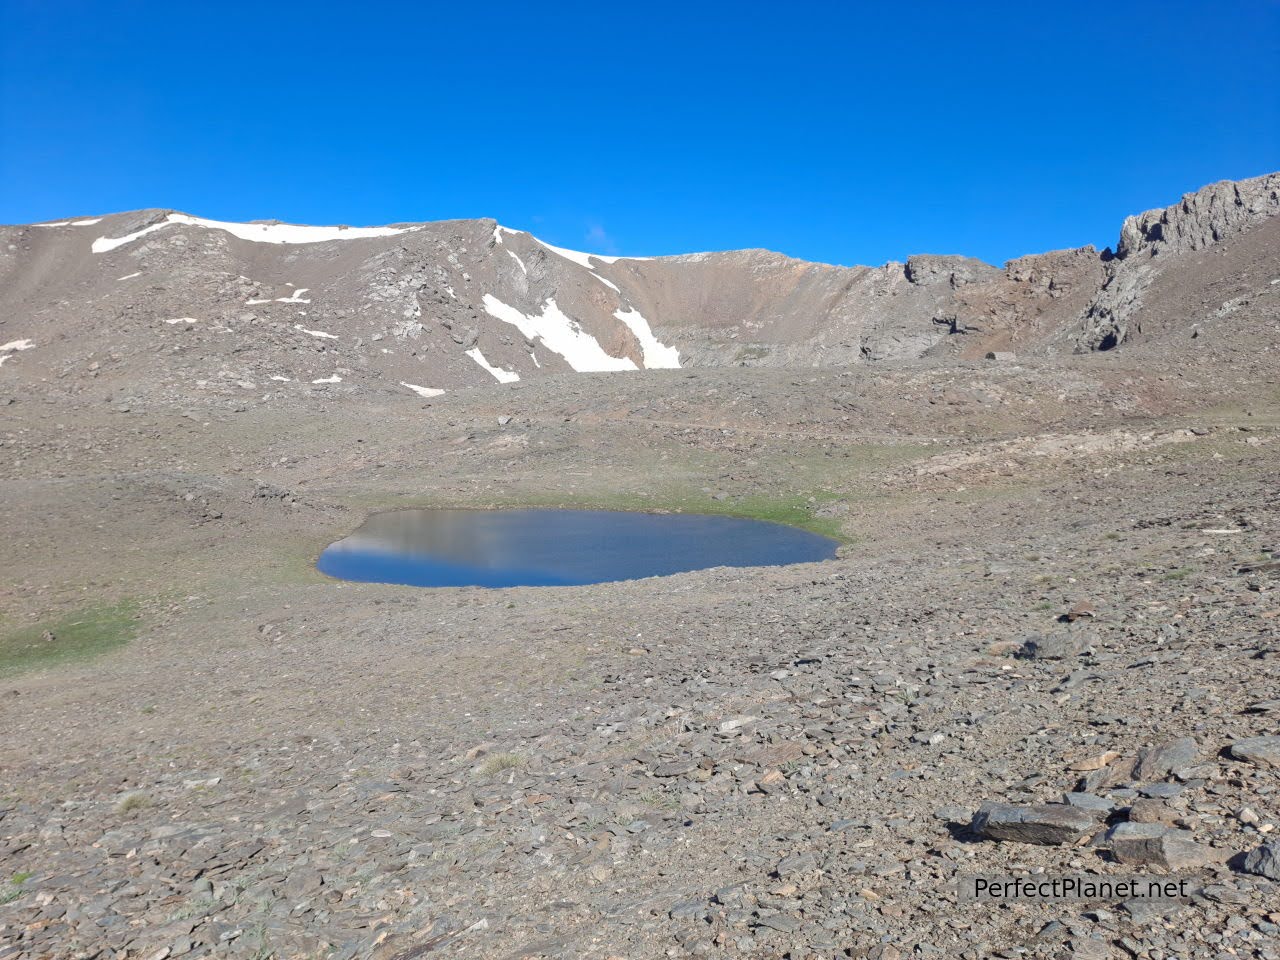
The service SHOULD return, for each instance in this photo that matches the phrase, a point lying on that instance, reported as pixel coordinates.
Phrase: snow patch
(256, 232)
(523, 268)
(657, 356)
(314, 333)
(70, 223)
(578, 257)
(279, 379)
(560, 334)
(334, 379)
(7, 350)
(502, 376)
(608, 283)
(422, 391)
(183, 320)
(129, 276)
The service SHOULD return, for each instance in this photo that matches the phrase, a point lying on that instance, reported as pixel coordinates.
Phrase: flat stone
(1145, 911)
(779, 921)
(1089, 801)
(1161, 791)
(796, 864)
(1042, 823)
(675, 768)
(1155, 845)
(687, 910)
(1264, 751)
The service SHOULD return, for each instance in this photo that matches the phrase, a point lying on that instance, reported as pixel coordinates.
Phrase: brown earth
(757, 762)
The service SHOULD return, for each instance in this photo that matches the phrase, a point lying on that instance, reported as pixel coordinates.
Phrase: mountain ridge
(450, 304)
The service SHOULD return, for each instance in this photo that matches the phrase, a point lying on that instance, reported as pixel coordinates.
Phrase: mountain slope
(162, 303)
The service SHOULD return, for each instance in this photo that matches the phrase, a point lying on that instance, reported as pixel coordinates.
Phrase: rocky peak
(926, 269)
(1202, 218)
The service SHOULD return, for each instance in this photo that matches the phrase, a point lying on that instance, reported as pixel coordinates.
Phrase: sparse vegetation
(85, 633)
(499, 762)
(13, 889)
(134, 800)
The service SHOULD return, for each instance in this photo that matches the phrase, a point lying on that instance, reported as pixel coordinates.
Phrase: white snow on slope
(502, 376)
(657, 355)
(129, 276)
(422, 391)
(7, 350)
(314, 333)
(607, 283)
(334, 379)
(575, 255)
(256, 232)
(295, 297)
(559, 334)
(183, 320)
(523, 268)
(70, 223)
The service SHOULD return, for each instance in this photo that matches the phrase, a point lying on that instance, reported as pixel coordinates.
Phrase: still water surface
(542, 548)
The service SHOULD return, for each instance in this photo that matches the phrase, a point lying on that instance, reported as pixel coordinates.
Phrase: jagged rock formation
(1149, 241)
(432, 307)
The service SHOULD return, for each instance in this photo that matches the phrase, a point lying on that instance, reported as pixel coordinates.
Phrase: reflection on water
(507, 548)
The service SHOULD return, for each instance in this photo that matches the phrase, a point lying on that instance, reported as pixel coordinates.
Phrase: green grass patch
(85, 633)
(12, 890)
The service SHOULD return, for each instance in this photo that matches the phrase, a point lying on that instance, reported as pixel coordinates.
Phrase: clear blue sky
(844, 132)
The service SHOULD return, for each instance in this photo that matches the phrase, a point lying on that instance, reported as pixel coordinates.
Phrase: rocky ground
(1050, 645)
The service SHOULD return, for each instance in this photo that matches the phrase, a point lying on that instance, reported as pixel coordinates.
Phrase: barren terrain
(1060, 585)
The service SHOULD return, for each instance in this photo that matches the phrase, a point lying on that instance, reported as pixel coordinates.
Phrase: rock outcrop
(1149, 241)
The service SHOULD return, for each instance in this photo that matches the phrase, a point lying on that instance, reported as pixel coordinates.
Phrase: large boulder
(1155, 845)
(1043, 823)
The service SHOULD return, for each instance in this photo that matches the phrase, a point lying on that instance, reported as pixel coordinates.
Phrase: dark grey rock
(1156, 845)
(1044, 823)
(1263, 751)
(1264, 861)
(1089, 801)
(1156, 763)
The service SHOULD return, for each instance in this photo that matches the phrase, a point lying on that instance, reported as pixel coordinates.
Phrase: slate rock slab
(1156, 845)
(1263, 751)
(1043, 823)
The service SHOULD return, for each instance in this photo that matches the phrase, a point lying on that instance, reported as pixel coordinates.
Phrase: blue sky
(842, 132)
